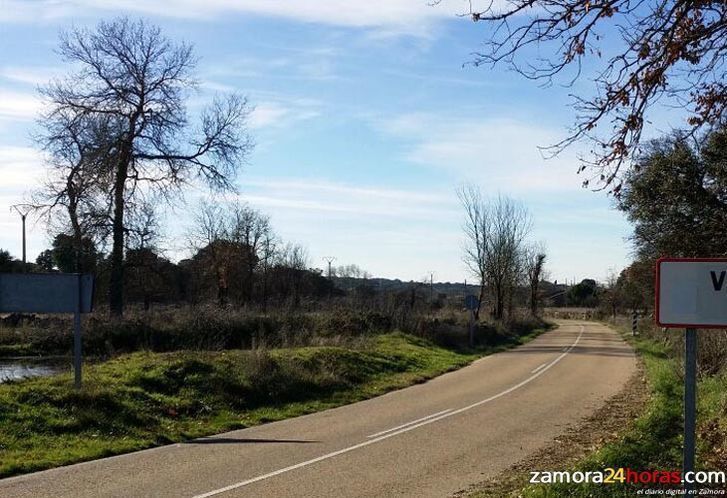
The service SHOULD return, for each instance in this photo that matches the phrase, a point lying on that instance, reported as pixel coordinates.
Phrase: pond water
(20, 368)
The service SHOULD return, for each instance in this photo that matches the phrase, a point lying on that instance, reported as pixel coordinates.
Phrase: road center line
(538, 368)
(407, 428)
(410, 423)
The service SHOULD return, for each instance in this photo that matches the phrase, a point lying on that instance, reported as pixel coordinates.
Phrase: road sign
(470, 302)
(691, 292)
(45, 293)
(50, 293)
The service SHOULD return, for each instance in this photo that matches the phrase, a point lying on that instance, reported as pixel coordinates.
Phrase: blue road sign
(470, 302)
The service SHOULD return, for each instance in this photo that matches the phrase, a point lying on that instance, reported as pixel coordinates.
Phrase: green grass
(654, 441)
(144, 399)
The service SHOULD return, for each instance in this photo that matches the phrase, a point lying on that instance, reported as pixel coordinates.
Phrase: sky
(367, 119)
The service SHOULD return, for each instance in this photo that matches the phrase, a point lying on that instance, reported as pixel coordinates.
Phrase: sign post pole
(634, 322)
(690, 402)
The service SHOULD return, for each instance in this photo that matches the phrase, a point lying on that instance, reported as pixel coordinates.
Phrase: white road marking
(394, 433)
(409, 423)
(541, 366)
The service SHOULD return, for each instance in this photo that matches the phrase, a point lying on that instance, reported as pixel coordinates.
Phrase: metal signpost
(470, 302)
(50, 293)
(691, 294)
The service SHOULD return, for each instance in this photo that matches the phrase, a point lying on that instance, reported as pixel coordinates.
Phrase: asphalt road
(431, 439)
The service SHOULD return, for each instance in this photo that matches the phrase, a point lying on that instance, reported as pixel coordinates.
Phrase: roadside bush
(712, 344)
(211, 328)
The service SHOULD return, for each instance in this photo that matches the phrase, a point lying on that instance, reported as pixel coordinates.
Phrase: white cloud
(19, 106)
(242, 67)
(19, 167)
(307, 64)
(30, 75)
(266, 114)
(414, 17)
(347, 201)
(283, 112)
(498, 153)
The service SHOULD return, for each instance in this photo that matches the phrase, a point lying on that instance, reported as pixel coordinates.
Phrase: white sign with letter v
(691, 292)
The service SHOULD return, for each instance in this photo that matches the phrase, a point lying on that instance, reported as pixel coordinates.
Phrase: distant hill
(393, 285)
(552, 292)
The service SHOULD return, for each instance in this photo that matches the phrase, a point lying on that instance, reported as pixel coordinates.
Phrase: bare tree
(143, 234)
(350, 271)
(294, 259)
(143, 227)
(477, 230)
(207, 235)
(268, 254)
(250, 228)
(234, 240)
(670, 51)
(534, 267)
(71, 199)
(135, 80)
(611, 292)
(511, 224)
(495, 232)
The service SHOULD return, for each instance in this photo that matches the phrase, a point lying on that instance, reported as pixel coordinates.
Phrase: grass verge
(145, 399)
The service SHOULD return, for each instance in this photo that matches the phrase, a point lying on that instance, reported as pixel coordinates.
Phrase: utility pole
(329, 260)
(431, 286)
(22, 210)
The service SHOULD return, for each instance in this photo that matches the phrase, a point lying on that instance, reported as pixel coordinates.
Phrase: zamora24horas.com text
(626, 475)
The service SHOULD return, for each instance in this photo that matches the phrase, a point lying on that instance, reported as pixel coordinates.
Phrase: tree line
(235, 259)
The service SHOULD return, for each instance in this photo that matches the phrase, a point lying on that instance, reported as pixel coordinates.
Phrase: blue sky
(366, 122)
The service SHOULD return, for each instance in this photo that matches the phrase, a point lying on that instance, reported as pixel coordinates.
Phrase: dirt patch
(605, 425)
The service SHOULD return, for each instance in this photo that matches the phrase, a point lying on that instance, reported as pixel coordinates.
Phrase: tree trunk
(480, 298)
(249, 290)
(221, 287)
(499, 304)
(116, 289)
(77, 235)
(265, 291)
